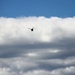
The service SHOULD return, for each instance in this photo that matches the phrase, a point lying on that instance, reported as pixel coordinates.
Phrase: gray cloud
(49, 50)
(66, 47)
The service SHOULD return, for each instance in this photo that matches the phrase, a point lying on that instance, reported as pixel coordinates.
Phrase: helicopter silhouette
(32, 29)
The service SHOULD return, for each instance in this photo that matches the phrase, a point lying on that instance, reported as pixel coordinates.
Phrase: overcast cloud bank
(48, 50)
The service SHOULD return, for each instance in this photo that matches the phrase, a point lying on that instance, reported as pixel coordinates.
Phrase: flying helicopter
(32, 29)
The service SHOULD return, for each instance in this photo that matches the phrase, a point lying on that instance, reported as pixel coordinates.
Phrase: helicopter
(32, 29)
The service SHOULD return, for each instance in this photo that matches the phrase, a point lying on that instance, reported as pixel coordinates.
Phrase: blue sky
(48, 8)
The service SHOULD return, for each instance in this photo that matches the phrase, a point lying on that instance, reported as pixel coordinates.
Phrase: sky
(48, 8)
(49, 49)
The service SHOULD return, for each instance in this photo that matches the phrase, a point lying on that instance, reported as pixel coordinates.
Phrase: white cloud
(48, 50)
(47, 29)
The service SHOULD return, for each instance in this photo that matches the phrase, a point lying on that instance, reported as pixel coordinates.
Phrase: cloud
(48, 29)
(48, 50)
(25, 66)
(62, 71)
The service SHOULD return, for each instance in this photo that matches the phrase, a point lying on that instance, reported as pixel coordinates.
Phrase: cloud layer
(48, 50)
